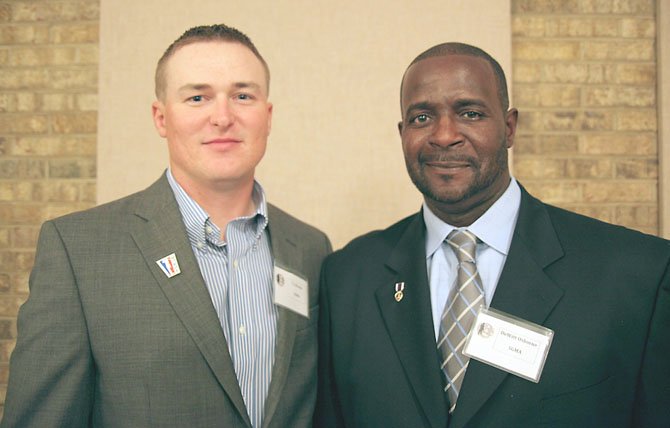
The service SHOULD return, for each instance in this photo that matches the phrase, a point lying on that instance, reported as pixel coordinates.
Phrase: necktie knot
(463, 243)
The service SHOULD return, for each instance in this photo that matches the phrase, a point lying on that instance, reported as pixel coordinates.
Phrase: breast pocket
(592, 404)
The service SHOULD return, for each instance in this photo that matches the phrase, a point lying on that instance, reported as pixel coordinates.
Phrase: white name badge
(291, 291)
(509, 343)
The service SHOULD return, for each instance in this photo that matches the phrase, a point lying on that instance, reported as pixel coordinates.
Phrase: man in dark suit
(160, 309)
(388, 324)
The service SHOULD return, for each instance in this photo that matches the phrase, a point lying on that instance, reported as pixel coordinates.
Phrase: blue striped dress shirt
(238, 275)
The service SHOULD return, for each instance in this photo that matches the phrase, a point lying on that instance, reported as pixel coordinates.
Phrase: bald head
(456, 48)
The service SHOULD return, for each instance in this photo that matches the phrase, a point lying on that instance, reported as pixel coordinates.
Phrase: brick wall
(48, 103)
(584, 80)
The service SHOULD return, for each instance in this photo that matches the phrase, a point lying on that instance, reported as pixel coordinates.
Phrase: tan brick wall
(48, 114)
(584, 80)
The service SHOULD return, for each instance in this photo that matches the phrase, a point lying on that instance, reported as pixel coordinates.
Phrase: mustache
(447, 158)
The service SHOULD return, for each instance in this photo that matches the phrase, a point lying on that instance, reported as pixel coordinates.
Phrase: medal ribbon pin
(399, 288)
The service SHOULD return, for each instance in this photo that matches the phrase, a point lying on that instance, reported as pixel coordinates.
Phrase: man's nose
(447, 131)
(222, 114)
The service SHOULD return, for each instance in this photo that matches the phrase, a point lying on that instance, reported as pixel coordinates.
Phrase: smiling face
(214, 115)
(455, 135)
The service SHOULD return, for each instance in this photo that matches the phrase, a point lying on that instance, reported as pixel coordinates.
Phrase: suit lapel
(524, 290)
(409, 321)
(286, 253)
(160, 234)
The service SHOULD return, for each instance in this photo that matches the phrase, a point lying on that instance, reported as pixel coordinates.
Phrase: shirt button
(208, 229)
(234, 263)
(200, 245)
(242, 330)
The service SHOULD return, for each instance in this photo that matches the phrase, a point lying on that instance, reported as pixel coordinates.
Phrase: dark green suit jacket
(106, 339)
(604, 290)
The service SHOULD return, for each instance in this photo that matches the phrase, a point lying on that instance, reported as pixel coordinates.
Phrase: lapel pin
(169, 265)
(399, 288)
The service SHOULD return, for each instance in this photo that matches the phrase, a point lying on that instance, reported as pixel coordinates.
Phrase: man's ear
(158, 113)
(269, 117)
(511, 118)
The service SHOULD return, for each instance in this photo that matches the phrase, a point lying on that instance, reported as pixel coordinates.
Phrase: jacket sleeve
(328, 413)
(51, 369)
(653, 391)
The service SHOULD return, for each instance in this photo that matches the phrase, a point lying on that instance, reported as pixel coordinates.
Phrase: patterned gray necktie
(459, 312)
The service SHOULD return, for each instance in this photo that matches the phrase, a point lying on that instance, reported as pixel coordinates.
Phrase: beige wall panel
(334, 156)
(663, 79)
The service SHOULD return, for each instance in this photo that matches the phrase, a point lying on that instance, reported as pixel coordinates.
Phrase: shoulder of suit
(280, 218)
(592, 226)
(116, 209)
(382, 238)
(579, 226)
(580, 234)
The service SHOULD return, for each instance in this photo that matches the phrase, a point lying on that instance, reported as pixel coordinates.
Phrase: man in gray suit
(191, 303)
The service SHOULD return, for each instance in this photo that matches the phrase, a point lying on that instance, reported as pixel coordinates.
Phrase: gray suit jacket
(106, 339)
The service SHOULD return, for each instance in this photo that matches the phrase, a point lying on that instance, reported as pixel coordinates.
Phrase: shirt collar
(196, 218)
(495, 227)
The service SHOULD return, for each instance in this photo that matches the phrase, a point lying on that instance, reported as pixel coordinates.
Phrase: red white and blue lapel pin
(169, 265)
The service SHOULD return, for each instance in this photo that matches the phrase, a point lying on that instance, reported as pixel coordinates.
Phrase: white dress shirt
(494, 228)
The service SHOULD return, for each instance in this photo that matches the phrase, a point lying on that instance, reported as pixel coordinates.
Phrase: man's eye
(421, 118)
(196, 98)
(244, 97)
(472, 115)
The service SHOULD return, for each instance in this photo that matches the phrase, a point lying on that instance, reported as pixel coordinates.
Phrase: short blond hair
(205, 33)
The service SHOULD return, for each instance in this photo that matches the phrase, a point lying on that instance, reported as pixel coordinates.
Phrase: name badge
(291, 291)
(509, 343)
